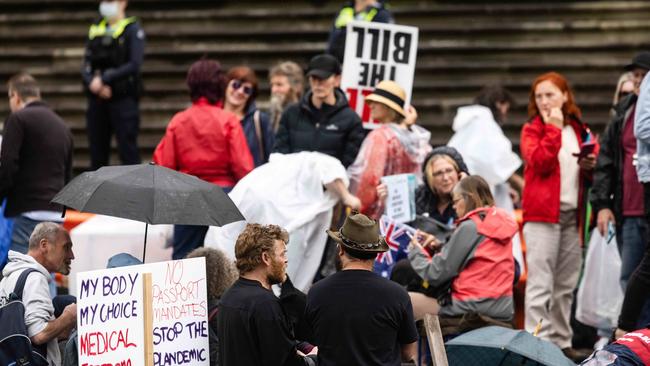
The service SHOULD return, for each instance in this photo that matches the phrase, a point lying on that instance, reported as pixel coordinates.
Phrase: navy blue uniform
(115, 54)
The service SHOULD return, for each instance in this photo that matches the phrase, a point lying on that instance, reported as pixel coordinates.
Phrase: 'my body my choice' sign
(111, 313)
(376, 52)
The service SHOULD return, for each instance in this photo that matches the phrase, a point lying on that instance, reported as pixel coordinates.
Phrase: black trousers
(104, 118)
(638, 287)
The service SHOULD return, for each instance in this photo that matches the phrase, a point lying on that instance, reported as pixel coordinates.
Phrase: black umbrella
(149, 193)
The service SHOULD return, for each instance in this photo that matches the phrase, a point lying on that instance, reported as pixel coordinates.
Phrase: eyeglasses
(237, 84)
(440, 173)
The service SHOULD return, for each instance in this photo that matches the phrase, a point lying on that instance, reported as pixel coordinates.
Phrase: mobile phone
(586, 149)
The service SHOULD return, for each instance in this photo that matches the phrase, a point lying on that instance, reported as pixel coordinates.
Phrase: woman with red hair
(557, 175)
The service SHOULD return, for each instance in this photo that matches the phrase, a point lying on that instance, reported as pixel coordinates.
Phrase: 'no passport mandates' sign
(376, 52)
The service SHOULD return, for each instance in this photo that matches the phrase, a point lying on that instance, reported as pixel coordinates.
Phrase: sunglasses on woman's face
(237, 84)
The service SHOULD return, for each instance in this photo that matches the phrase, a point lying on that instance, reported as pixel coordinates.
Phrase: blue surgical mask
(109, 9)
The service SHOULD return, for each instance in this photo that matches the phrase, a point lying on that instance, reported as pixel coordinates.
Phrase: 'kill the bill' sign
(376, 52)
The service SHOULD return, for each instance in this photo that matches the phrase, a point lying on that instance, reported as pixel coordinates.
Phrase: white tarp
(287, 191)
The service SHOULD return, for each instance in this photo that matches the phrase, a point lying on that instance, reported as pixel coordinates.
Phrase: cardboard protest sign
(376, 52)
(180, 312)
(111, 317)
(400, 203)
(178, 309)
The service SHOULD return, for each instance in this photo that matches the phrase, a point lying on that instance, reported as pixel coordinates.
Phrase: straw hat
(360, 233)
(390, 94)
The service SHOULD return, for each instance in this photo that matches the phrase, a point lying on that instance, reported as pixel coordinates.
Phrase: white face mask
(109, 9)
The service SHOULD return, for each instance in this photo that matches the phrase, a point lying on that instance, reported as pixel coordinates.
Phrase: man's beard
(277, 103)
(278, 273)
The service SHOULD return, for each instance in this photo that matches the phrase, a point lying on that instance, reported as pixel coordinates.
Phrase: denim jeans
(631, 241)
(22, 229)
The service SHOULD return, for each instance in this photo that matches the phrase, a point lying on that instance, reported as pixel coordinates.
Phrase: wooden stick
(147, 300)
(436, 344)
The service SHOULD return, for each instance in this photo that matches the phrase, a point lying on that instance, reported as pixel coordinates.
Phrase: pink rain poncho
(388, 150)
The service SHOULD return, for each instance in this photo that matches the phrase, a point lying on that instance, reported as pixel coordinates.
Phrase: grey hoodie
(36, 298)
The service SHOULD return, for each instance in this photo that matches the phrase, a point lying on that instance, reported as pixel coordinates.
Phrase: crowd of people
(462, 260)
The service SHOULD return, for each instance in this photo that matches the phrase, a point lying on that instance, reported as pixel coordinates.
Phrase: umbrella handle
(144, 251)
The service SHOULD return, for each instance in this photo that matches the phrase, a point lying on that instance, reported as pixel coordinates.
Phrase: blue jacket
(268, 138)
(642, 132)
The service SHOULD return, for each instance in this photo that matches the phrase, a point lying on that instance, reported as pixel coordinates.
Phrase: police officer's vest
(107, 49)
(346, 15)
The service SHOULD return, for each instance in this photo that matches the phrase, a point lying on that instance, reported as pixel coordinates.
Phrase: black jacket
(36, 159)
(607, 188)
(336, 131)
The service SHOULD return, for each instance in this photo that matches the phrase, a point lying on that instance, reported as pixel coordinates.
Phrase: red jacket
(540, 145)
(207, 142)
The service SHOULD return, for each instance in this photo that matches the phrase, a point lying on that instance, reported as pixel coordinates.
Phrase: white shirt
(569, 169)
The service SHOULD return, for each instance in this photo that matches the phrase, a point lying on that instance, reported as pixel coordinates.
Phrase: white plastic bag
(600, 296)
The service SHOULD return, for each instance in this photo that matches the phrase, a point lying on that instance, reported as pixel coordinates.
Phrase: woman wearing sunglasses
(241, 91)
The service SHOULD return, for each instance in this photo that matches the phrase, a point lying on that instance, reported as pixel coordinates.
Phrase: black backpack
(16, 348)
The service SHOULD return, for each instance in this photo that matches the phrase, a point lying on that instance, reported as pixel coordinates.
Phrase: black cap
(323, 66)
(641, 59)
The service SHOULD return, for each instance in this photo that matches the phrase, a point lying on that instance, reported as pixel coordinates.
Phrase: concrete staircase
(463, 46)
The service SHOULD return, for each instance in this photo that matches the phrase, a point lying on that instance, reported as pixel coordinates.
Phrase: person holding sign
(396, 147)
(323, 120)
(367, 10)
(554, 205)
(251, 325)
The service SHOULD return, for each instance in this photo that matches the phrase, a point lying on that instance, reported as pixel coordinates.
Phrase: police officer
(366, 10)
(111, 76)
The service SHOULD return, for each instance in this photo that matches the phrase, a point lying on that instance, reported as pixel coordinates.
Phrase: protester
(287, 83)
(616, 194)
(204, 141)
(241, 91)
(111, 76)
(365, 10)
(50, 250)
(554, 206)
(397, 146)
(476, 263)
(442, 169)
(638, 286)
(251, 325)
(624, 87)
(220, 275)
(478, 137)
(36, 160)
(358, 317)
(322, 121)
(299, 192)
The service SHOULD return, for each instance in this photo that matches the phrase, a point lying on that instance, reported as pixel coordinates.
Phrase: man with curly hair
(251, 326)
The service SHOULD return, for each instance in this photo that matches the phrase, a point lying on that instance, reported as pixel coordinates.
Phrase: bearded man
(251, 326)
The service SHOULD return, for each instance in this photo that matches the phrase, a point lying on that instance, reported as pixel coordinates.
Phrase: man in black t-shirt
(356, 316)
(251, 326)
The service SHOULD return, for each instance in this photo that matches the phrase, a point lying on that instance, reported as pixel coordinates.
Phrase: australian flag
(397, 237)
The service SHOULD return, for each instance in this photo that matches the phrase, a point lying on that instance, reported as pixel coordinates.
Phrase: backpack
(16, 348)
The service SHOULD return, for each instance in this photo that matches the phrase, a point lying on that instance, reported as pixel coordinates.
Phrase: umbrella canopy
(149, 193)
(502, 346)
